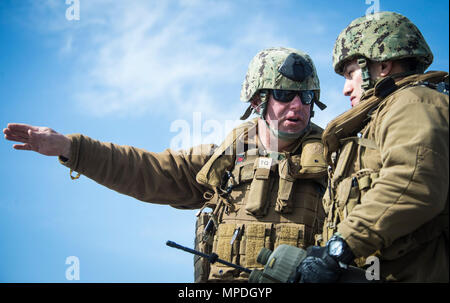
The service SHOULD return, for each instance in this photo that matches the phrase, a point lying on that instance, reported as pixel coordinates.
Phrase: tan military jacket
(290, 214)
(392, 198)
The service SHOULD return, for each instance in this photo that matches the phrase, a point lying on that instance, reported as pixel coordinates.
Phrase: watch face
(335, 248)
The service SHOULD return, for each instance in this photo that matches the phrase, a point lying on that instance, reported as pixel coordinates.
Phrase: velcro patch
(265, 162)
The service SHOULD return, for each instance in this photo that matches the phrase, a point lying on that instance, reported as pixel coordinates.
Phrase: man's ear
(385, 68)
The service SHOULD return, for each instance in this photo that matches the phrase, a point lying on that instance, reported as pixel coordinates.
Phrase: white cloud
(172, 57)
(153, 57)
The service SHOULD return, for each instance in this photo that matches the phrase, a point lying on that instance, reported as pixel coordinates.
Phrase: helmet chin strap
(367, 81)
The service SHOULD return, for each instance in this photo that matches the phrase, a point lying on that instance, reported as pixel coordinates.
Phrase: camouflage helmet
(379, 37)
(263, 73)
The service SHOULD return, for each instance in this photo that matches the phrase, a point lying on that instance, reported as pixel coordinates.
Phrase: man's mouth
(292, 121)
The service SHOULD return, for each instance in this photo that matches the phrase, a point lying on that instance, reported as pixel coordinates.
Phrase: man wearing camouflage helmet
(387, 194)
(264, 183)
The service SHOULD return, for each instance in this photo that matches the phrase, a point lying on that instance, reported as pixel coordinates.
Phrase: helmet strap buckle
(367, 82)
(263, 95)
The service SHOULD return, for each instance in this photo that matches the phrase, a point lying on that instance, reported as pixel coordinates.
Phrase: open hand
(43, 140)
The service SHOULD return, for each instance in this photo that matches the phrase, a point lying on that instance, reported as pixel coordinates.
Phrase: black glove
(325, 264)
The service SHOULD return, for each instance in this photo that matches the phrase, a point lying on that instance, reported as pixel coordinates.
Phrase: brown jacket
(163, 178)
(402, 214)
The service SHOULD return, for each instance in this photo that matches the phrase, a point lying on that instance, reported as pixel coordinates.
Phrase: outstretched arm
(43, 140)
(164, 178)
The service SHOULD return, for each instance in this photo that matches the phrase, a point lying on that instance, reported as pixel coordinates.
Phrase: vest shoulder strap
(211, 173)
(366, 142)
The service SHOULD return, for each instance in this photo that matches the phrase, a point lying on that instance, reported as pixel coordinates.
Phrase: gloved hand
(324, 264)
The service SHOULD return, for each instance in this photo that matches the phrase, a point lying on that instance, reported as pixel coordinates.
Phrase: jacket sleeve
(164, 178)
(412, 187)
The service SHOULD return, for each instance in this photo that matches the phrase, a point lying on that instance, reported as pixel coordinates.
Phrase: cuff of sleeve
(360, 244)
(72, 163)
(358, 247)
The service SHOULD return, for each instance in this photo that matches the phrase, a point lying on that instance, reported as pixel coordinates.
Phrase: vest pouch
(201, 265)
(226, 246)
(257, 199)
(365, 179)
(284, 197)
(243, 171)
(326, 201)
(344, 159)
(354, 198)
(311, 163)
(322, 238)
(347, 196)
(256, 236)
(290, 234)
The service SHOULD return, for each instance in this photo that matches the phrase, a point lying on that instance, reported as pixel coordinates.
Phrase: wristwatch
(339, 250)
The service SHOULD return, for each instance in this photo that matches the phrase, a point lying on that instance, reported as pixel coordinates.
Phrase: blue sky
(125, 72)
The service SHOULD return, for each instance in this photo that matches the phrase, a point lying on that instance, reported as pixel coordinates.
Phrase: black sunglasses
(306, 96)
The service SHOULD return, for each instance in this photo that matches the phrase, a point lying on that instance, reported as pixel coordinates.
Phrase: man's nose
(348, 88)
(296, 102)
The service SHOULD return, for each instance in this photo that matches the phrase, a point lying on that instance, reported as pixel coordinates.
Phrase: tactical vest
(259, 199)
(355, 161)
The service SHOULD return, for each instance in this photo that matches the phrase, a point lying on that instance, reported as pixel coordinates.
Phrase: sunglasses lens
(284, 95)
(306, 96)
